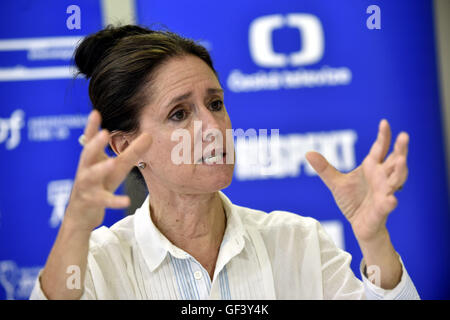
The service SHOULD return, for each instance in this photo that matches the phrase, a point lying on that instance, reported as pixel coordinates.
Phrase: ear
(118, 142)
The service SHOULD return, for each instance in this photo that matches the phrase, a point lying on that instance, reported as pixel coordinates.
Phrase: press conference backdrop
(324, 73)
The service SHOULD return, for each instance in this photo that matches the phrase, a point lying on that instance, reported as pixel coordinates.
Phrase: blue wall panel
(332, 104)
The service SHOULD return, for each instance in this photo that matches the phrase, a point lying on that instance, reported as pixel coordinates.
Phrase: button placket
(200, 280)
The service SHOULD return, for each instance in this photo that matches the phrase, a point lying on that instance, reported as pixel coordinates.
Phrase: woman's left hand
(366, 195)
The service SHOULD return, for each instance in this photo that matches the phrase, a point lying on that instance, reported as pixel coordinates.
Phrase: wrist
(377, 248)
(380, 239)
(379, 252)
(77, 223)
(70, 228)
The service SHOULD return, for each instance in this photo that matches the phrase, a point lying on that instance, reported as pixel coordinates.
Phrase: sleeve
(405, 289)
(89, 292)
(106, 275)
(339, 281)
(37, 293)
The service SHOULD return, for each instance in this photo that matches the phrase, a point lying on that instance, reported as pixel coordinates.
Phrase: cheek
(160, 151)
(160, 156)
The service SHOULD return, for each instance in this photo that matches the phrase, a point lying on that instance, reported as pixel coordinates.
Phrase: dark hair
(120, 61)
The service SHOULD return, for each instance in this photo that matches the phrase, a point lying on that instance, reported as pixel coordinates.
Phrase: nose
(209, 120)
(210, 124)
(207, 130)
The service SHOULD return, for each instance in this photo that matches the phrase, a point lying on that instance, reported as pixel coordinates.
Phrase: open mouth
(214, 159)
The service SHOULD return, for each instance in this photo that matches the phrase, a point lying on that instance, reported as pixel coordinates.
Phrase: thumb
(324, 169)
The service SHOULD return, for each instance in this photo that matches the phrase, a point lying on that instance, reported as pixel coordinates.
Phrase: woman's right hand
(98, 176)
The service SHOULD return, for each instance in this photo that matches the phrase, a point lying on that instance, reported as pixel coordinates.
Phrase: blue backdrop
(312, 69)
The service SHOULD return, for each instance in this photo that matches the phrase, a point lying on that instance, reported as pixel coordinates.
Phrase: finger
(401, 144)
(128, 159)
(106, 199)
(93, 151)
(400, 149)
(380, 147)
(92, 126)
(399, 175)
(389, 204)
(389, 164)
(324, 169)
(96, 173)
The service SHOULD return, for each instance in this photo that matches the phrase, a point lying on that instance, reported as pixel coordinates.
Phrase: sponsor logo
(58, 194)
(48, 48)
(261, 44)
(283, 156)
(275, 74)
(238, 81)
(40, 129)
(50, 128)
(17, 282)
(10, 129)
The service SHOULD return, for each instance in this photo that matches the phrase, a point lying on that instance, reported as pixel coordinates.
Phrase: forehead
(180, 74)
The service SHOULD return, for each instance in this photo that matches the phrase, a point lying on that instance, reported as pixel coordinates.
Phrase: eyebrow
(188, 94)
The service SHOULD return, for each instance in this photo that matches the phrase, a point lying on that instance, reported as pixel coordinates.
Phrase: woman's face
(184, 94)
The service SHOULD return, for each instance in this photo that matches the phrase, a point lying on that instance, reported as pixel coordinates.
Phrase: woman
(188, 241)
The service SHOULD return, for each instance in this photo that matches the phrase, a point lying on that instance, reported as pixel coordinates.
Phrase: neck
(193, 222)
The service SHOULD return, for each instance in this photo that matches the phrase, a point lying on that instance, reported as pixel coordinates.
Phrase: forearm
(381, 257)
(64, 272)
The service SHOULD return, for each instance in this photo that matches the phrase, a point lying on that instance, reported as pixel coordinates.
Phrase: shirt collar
(155, 246)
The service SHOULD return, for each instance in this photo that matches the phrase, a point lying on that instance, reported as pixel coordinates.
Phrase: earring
(142, 165)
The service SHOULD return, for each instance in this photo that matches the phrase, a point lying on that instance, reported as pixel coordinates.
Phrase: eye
(216, 105)
(180, 115)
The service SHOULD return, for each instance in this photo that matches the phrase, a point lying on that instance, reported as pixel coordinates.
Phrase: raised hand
(366, 195)
(98, 176)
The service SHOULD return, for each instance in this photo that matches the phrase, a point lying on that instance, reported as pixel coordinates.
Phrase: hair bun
(93, 48)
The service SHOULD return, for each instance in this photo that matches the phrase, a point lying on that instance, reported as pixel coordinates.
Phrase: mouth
(213, 159)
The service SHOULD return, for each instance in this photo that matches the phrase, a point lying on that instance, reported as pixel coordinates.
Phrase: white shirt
(280, 255)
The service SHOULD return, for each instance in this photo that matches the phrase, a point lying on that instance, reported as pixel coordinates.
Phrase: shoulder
(278, 222)
(117, 237)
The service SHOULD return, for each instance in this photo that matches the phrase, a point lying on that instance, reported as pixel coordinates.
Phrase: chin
(216, 179)
(220, 182)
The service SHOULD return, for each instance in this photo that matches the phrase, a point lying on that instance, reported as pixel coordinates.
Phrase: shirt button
(198, 275)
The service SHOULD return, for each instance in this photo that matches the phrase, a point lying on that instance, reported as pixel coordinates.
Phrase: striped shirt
(280, 255)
